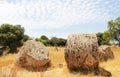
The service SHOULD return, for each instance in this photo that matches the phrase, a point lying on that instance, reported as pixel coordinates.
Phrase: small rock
(105, 53)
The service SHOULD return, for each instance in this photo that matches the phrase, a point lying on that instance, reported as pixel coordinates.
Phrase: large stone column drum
(80, 52)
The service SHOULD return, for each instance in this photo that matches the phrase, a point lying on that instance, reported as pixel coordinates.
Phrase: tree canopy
(114, 29)
(44, 39)
(12, 36)
(103, 38)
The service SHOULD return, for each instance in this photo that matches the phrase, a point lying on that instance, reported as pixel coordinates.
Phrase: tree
(103, 38)
(62, 42)
(11, 36)
(99, 37)
(53, 41)
(114, 29)
(26, 37)
(44, 39)
(107, 37)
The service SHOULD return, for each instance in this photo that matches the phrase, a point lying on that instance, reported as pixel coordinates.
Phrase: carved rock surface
(32, 54)
(80, 51)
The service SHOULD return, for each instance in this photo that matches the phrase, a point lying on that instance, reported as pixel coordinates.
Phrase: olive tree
(11, 36)
(114, 29)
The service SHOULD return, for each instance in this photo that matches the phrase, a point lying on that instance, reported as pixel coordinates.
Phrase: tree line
(54, 41)
(13, 36)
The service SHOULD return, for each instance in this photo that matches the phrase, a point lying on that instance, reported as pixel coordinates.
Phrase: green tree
(99, 37)
(103, 38)
(107, 37)
(44, 39)
(11, 36)
(114, 29)
(26, 37)
(53, 41)
(36, 39)
(62, 42)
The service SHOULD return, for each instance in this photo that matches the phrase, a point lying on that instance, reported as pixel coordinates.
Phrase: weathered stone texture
(105, 53)
(82, 54)
(81, 51)
(33, 54)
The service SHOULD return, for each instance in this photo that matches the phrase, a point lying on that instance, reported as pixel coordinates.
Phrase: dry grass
(113, 65)
(7, 60)
(58, 68)
(7, 72)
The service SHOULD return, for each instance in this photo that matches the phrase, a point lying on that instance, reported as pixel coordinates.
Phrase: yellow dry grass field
(58, 66)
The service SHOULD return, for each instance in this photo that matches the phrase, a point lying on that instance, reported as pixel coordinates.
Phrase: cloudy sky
(59, 17)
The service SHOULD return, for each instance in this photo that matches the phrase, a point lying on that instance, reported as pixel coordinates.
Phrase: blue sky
(59, 17)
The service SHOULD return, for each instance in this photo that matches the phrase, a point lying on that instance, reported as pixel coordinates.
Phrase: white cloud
(52, 14)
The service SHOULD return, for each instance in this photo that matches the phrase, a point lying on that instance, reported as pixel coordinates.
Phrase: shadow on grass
(97, 72)
(37, 68)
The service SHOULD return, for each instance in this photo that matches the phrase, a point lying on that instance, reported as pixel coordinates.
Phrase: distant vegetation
(12, 36)
(54, 41)
(103, 38)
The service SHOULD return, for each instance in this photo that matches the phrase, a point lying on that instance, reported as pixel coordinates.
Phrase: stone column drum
(80, 51)
(32, 54)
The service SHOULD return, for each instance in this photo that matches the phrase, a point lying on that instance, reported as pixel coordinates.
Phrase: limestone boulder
(80, 51)
(32, 54)
(105, 53)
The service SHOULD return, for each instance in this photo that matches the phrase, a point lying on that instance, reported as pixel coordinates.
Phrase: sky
(59, 17)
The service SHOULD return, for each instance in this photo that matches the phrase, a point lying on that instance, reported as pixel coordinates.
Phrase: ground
(58, 66)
